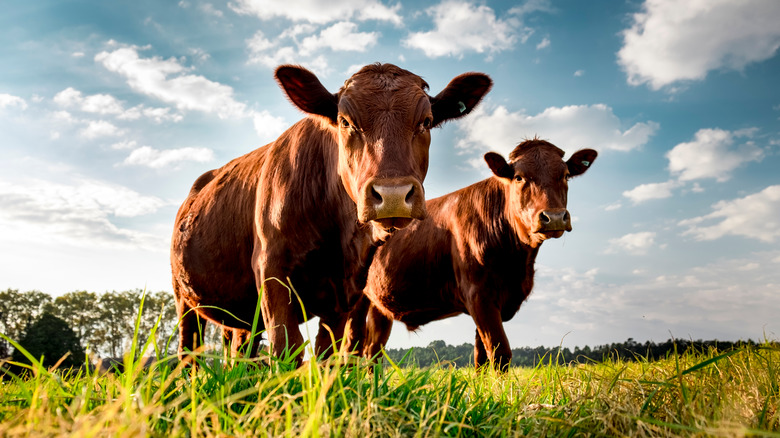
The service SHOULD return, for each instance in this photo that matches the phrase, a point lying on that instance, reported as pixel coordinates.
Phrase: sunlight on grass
(699, 393)
(710, 393)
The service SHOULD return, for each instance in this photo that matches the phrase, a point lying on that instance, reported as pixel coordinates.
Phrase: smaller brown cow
(475, 253)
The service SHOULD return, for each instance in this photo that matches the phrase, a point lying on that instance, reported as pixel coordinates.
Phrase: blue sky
(110, 110)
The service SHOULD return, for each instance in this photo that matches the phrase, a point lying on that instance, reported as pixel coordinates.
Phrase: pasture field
(706, 393)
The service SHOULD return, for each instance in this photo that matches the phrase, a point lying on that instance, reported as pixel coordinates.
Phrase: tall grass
(700, 393)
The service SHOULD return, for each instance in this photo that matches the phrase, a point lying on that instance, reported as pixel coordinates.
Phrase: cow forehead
(376, 77)
(539, 162)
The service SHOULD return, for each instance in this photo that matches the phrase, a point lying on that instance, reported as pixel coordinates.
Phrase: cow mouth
(550, 234)
(390, 224)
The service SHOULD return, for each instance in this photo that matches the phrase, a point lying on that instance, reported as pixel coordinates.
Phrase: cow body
(475, 253)
(309, 209)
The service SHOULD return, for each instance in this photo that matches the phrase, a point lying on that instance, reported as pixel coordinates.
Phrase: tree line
(630, 350)
(103, 324)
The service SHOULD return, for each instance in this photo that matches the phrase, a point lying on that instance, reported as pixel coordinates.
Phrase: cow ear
(581, 161)
(306, 92)
(460, 96)
(499, 166)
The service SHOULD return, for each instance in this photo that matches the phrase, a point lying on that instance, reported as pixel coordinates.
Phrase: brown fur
(307, 206)
(475, 253)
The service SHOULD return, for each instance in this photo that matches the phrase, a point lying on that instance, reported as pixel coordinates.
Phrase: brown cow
(475, 253)
(311, 206)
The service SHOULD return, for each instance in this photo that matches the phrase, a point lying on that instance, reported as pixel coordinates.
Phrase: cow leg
(378, 327)
(490, 330)
(480, 354)
(280, 319)
(355, 330)
(323, 343)
(237, 338)
(189, 325)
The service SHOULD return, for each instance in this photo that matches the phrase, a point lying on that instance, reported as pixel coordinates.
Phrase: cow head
(382, 117)
(536, 181)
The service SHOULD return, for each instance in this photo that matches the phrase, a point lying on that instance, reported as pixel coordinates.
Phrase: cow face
(536, 180)
(382, 118)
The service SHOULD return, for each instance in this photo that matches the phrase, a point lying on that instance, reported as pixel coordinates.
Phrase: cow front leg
(490, 330)
(280, 318)
(378, 327)
(480, 354)
(355, 329)
(331, 329)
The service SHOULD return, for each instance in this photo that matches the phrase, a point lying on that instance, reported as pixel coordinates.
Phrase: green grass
(704, 393)
(708, 393)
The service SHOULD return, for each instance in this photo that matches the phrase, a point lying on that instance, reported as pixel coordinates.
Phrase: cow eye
(345, 123)
(519, 178)
(427, 123)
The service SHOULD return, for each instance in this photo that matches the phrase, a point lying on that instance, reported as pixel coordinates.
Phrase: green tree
(17, 311)
(80, 309)
(52, 338)
(158, 306)
(118, 311)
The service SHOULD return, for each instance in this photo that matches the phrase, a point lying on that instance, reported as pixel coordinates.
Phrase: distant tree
(159, 309)
(52, 338)
(17, 311)
(118, 311)
(80, 309)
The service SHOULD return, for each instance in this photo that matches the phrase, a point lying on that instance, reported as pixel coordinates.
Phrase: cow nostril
(544, 218)
(566, 216)
(377, 197)
(409, 195)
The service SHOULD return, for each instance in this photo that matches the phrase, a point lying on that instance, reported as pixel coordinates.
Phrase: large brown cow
(475, 253)
(310, 206)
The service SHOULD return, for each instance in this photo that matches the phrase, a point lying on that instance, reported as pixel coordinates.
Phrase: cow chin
(544, 235)
(384, 228)
(391, 224)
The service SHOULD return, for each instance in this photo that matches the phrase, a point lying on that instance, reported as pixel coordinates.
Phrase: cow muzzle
(554, 222)
(392, 202)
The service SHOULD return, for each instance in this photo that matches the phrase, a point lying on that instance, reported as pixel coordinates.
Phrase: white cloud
(646, 192)
(461, 26)
(315, 11)
(579, 73)
(157, 159)
(342, 36)
(209, 9)
(105, 104)
(543, 44)
(268, 127)
(100, 128)
(339, 37)
(570, 128)
(158, 115)
(671, 41)
(126, 144)
(10, 101)
(712, 154)
(79, 212)
(96, 103)
(166, 79)
(633, 243)
(755, 216)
